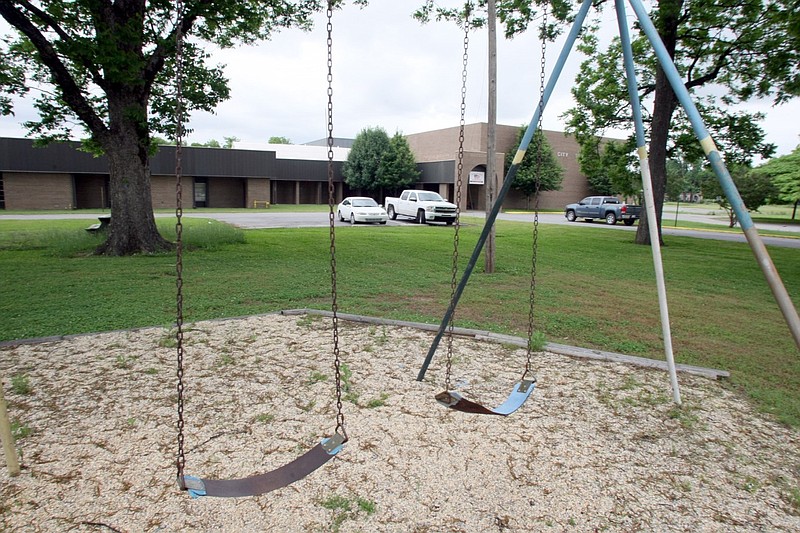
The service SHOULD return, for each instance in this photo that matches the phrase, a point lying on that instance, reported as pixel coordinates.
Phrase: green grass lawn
(595, 288)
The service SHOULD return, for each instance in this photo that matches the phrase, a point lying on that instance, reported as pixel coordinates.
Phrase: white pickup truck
(422, 206)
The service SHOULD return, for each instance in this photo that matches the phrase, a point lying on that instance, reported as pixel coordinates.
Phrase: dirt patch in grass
(598, 446)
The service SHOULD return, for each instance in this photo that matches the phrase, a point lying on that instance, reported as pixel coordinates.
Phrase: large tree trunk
(664, 104)
(133, 226)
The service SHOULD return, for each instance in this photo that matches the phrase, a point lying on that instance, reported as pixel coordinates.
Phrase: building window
(200, 192)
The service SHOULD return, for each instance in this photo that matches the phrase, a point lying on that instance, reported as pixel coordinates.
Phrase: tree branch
(70, 90)
(167, 44)
(66, 37)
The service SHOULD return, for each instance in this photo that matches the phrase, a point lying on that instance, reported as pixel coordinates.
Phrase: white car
(361, 209)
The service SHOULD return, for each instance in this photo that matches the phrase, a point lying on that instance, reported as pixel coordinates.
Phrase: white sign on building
(476, 178)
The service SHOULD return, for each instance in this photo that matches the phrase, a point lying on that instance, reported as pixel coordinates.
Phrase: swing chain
(181, 456)
(459, 174)
(539, 150)
(331, 220)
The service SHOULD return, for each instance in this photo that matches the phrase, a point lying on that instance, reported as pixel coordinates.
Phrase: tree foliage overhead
(515, 15)
(376, 162)
(108, 69)
(82, 54)
(539, 169)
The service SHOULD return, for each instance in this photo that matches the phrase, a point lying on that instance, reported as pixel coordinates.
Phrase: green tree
(545, 173)
(683, 177)
(363, 166)
(109, 67)
(747, 48)
(610, 167)
(398, 168)
(754, 188)
(212, 143)
(279, 140)
(784, 172)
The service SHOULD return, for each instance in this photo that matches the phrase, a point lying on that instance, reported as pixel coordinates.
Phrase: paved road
(288, 220)
(262, 219)
(786, 242)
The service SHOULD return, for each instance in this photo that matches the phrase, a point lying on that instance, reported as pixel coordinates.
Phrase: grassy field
(595, 288)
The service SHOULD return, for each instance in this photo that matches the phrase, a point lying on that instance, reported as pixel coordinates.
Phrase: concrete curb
(562, 349)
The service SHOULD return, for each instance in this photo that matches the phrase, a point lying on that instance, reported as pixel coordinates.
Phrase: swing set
(521, 391)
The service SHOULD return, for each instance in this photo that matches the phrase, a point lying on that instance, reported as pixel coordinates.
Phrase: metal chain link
(331, 220)
(539, 155)
(459, 179)
(181, 456)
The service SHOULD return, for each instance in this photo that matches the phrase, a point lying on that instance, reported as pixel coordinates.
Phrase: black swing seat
(518, 395)
(263, 483)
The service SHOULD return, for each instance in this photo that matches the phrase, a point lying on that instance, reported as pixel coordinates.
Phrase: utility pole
(490, 180)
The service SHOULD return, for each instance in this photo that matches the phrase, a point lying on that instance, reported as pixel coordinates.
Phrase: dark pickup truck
(609, 208)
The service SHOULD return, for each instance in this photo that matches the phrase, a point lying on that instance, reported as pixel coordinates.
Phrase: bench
(105, 220)
(256, 203)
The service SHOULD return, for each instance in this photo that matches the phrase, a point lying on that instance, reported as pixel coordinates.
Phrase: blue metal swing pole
(512, 172)
(751, 233)
(647, 183)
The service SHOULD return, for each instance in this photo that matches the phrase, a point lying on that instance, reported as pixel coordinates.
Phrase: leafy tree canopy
(785, 174)
(279, 140)
(684, 177)
(377, 162)
(610, 166)
(539, 169)
(398, 168)
(515, 15)
(213, 143)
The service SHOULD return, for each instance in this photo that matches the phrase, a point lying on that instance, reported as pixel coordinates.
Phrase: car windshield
(364, 202)
(430, 197)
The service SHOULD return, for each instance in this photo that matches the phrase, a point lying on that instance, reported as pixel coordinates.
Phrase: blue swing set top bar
(512, 172)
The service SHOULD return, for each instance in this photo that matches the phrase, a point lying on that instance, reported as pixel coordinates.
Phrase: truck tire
(611, 218)
(629, 221)
(571, 215)
(421, 216)
(391, 213)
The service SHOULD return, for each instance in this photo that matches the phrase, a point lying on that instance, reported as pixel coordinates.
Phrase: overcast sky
(391, 71)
